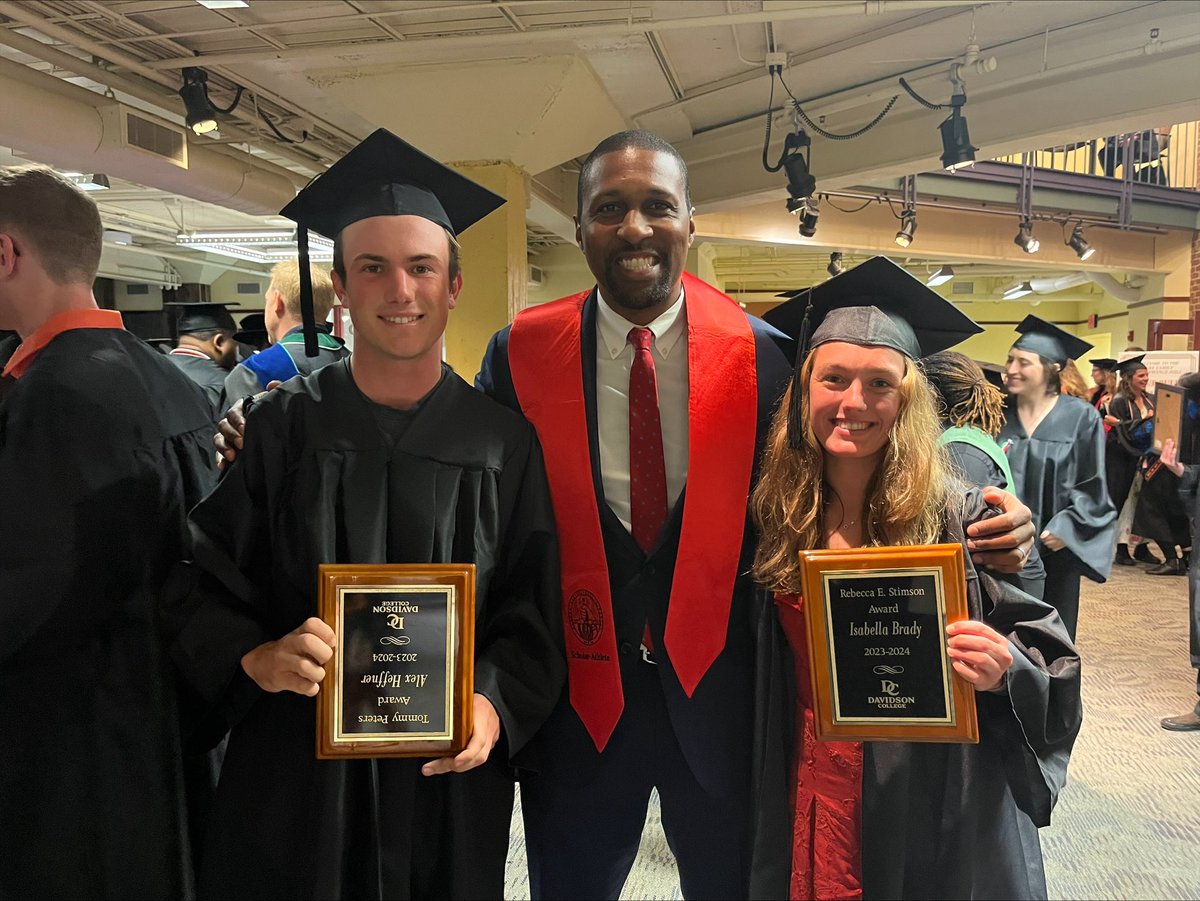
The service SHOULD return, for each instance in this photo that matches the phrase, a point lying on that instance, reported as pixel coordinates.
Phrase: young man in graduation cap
(1055, 447)
(206, 348)
(856, 445)
(651, 394)
(283, 323)
(104, 447)
(384, 457)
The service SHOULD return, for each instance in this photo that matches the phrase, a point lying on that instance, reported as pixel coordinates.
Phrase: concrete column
(494, 266)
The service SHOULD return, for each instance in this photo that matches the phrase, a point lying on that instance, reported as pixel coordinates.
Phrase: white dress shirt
(614, 358)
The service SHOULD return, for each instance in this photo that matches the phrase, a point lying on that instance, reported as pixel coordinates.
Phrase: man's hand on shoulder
(1002, 542)
(231, 430)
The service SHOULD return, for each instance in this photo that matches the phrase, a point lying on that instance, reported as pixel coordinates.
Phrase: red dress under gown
(827, 793)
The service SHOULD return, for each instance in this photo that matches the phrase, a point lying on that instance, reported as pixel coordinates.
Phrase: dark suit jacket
(714, 726)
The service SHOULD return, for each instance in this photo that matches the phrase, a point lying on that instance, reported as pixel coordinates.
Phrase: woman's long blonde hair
(906, 498)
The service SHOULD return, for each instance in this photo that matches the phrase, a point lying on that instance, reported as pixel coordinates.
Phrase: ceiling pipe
(1121, 292)
(77, 141)
(1058, 283)
(569, 33)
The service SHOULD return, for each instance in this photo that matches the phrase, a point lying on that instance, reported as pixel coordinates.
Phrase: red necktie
(647, 472)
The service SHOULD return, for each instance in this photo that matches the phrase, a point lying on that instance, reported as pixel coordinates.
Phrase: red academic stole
(544, 356)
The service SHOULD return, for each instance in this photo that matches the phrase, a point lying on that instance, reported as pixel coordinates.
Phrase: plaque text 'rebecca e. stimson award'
(876, 621)
(400, 683)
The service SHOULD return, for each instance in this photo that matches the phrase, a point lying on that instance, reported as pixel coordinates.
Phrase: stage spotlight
(956, 143)
(1025, 239)
(1079, 244)
(835, 267)
(201, 114)
(908, 227)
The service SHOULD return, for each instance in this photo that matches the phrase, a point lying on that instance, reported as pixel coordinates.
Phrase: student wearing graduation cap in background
(1104, 376)
(384, 457)
(252, 334)
(1129, 422)
(853, 461)
(1055, 447)
(206, 348)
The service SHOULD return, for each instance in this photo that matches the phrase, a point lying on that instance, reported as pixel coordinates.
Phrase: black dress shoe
(1172, 567)
(1142, 555)
(1189, 722)
(1125, 560)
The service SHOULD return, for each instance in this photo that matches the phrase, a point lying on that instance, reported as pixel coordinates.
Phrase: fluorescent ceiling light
(223, 4)
(940, 277)
(248, 235)
(97, 182)
(1018, 291)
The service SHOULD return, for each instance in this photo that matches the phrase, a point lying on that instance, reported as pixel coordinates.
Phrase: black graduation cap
(1048, 340)
(252, 329)
(875, 303)
(1106, 364)
(1132, 365)
(201, 317)
(993, 372)
(382, 176)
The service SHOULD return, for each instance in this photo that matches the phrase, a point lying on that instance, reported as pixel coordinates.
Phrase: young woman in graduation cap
(853, 461)
(1055, 447)
(1130, 421)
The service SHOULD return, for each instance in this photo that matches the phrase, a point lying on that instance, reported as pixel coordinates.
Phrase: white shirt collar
(612, 328)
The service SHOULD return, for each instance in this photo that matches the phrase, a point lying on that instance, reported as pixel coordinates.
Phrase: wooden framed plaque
(1168, 414)
(401, 679)
(876, 621)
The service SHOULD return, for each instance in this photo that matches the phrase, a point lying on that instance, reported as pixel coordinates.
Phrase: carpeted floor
(1128, 822)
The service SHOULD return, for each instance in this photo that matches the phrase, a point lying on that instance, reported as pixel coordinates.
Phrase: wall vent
(127, 129)
(537, 276)
(961, 287)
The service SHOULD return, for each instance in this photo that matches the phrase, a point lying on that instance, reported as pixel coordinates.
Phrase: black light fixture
(1025, 239)
(802, 184)
(201, 115)
(836, 266)
(908, 227)
(956, 142)
(1078, 243)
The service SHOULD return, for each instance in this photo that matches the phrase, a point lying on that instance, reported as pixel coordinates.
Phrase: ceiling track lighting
(200, 113)
(940, 277)
(1078, 243)
(1025, 239)
(97, 182)
(836, 266)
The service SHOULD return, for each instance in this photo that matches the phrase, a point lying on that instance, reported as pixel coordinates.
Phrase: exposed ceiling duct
(83, 137)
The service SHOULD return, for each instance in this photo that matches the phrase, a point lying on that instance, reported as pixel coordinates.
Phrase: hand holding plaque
(878, 649)
(400, 681)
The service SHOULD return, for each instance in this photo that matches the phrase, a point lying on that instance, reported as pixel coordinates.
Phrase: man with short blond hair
(103, 449)
(286, 357)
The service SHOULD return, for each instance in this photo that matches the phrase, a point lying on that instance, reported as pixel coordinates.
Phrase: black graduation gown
(104, 446)
(959, 820)
(1059, 474)
(317, 483)
(208, 375)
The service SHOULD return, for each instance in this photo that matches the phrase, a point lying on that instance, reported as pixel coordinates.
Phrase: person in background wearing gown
(972, 413)
(1130, 422)
(1104, 377)
(104, 447)
(1055, 447)
(384, 457)
(205, 349)
(1071, 382)
(285, 357)
(1188, 474)
(852, 461)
